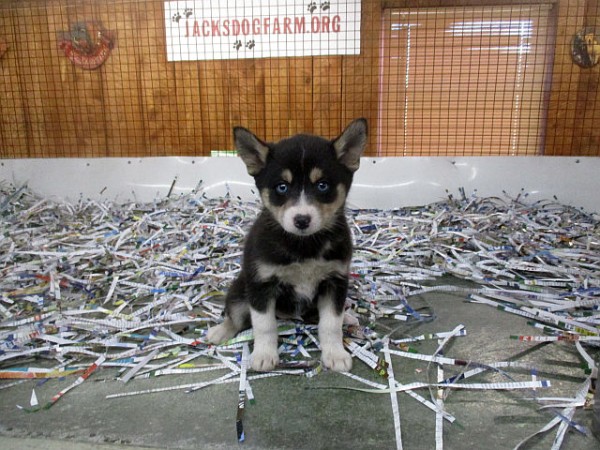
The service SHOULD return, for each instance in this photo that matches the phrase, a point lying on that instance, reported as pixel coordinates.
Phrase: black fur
(269, 243)
(298, 251)
(299, 154)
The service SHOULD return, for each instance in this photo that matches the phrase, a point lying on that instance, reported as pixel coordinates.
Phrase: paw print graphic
(312, 7)
(188, 12)
(325, 6)
(250, 44)
(176, 17)
(237, 45)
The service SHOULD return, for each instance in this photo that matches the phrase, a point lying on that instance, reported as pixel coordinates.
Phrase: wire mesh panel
(465, 80)
(80, 78)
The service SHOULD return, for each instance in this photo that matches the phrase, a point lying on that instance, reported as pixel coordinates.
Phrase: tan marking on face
(315, 175)
(322, 214)
(277, 211)
(286, 176)
(328, 210)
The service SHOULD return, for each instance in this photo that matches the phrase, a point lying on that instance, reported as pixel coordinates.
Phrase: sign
(236, 29)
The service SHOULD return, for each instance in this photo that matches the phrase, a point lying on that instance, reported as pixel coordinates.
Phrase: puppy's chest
(305, 276)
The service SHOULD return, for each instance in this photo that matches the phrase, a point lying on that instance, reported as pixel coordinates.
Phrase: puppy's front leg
(264, 324)
(333, 355)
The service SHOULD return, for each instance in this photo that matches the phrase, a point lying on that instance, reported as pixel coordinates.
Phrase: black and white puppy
(297, 253)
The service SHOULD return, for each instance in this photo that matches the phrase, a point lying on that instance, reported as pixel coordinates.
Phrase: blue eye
(323, 186)
(282, 188)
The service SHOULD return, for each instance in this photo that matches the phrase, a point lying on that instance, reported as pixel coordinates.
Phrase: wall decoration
(87, 45)
(585, 48)
(213, 30)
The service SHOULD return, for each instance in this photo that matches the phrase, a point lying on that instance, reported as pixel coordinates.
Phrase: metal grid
(434, 78)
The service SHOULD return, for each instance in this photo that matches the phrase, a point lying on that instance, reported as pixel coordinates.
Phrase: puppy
(297, 253)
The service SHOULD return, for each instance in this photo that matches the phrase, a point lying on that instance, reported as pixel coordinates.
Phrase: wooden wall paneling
(138, 104)
(123, 111)
(214, 114)
(238, 91)
(84, 88)
(391, 118)
(535, 116)
(13, 127)
(63, 86)
(157, 82)
(327, 95)
(360, 83)
(301, 95)
(44, 113)
(587, 112)
(189, 109)
(258, 97)
(277, 98)
(458, 3)
(245, 96)
(561, 124)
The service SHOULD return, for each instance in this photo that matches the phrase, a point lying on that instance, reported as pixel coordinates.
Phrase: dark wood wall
(138, 104)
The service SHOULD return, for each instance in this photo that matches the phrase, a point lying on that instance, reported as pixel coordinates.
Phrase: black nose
(302, 221)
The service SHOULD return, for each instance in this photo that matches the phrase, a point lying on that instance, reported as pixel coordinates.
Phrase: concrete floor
(292, 413)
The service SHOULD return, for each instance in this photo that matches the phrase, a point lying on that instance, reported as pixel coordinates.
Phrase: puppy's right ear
(350, 145)
(252, 150)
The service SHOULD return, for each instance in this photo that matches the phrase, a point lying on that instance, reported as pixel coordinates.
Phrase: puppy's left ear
(350, 145)
(252, 150)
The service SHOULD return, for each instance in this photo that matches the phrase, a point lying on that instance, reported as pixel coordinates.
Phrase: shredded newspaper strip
(92, 286)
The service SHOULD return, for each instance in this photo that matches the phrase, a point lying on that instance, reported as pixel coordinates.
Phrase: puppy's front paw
(264, 359)
(337, 359)
(220, 333)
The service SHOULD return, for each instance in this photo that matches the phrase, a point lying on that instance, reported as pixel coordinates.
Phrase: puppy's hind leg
(237, 315)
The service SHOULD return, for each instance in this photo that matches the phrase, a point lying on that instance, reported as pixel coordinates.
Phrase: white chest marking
(304, 276)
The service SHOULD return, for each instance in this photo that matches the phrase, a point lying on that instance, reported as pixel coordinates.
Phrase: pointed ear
(351, 143)
(252, 150)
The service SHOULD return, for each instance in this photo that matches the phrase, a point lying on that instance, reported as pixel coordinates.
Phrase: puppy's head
(303, 180)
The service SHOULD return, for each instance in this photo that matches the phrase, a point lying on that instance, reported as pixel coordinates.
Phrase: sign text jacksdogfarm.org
(236, 29)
